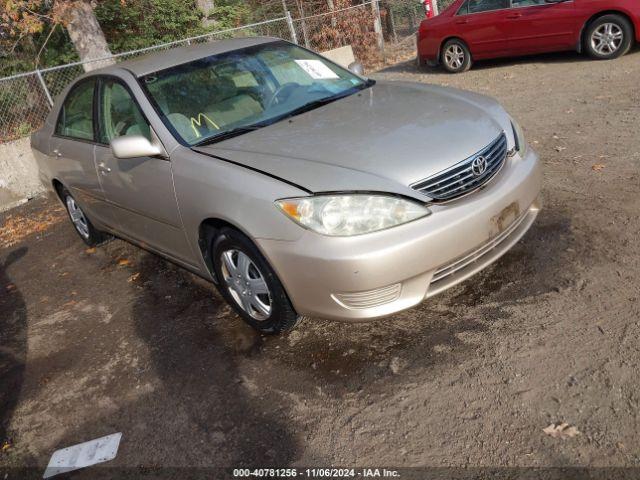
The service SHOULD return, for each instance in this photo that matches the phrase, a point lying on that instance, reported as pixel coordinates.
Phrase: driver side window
(119, 113)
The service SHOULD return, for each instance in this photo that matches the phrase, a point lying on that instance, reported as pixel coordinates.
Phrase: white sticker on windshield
(317, 69)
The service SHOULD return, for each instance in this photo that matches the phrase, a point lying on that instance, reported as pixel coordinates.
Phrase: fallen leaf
(597, 167)
(561, 430)
(559, 149)
(133, 277)
(10, 288)
(123, 262)
(6, 445)
(90, 250)
(17, 227)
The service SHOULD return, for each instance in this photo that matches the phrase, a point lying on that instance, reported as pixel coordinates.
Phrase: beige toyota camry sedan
(300, 188)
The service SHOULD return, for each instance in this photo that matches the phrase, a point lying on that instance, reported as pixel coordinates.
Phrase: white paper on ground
(83, 455)
(316, 69)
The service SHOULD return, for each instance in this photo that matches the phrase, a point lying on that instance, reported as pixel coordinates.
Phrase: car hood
(384, 138)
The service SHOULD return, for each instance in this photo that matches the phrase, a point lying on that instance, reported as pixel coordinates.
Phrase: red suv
(477, 29)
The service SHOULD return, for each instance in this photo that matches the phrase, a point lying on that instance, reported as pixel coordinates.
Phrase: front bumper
(378, 274)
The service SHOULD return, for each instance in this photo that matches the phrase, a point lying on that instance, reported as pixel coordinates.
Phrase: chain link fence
(26, 99)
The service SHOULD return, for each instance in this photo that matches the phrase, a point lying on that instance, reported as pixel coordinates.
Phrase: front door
(482, 25)
(139, 190)
(535, 26)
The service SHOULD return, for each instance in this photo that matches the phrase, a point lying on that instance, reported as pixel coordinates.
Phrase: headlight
(518, 134)
(347, 215)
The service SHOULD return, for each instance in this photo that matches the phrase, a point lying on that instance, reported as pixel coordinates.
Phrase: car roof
(154, 62)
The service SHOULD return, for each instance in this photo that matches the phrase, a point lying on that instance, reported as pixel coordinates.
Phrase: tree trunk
(87, 36)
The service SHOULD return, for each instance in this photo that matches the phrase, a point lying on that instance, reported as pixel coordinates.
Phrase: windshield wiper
(316, 103)
(234, 132)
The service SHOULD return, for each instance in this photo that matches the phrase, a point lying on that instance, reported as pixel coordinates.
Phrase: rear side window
(527, 3)
(76, 116)
(464, 9)
(478, 6)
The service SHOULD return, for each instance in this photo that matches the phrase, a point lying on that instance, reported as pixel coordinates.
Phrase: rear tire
(608, 37)
(83, 226)
(249, 284)
(455, 56)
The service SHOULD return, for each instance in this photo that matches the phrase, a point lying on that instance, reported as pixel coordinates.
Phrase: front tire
(455, 56)
(249, 284)
(85, 229)
(608, 37)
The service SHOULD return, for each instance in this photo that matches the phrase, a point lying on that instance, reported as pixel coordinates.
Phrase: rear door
(535, 26)
(482, 25)
(139, 190)
(72, 148)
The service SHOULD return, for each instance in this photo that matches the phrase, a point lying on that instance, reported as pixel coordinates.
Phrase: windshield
(223, 95)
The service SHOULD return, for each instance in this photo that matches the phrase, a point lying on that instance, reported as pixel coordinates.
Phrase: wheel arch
(596, 16)
(58, 186)
(207, 231)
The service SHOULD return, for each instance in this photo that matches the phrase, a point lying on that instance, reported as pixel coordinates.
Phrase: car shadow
(196, 411)
(13, 344)
(569, 57)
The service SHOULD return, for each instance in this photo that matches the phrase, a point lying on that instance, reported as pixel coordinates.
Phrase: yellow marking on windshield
(198, 121)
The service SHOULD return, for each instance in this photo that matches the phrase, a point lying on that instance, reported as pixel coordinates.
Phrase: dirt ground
(115, 339)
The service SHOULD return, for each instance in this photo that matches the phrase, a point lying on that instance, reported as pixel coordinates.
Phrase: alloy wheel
(454, 56)
(77, 217)
(246, 284)
(607, 38)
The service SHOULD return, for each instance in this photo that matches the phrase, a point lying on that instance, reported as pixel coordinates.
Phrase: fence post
(292, 30)
(303, 22)
(377, 25)
(44, 87)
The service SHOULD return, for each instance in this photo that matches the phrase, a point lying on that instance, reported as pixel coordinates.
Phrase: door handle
(57, 153)
(513, 16)
(462, 22)
(103, 168)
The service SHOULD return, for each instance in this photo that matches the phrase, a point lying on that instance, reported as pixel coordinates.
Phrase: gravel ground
(117, 340)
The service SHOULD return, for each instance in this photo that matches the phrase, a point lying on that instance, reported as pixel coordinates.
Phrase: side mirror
(133, 146)
(357, 68)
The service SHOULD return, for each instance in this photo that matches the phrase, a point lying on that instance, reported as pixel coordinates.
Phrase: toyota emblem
(478, 166)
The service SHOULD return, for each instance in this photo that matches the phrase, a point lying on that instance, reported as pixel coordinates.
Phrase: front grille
(369, 298)
(461, 178)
